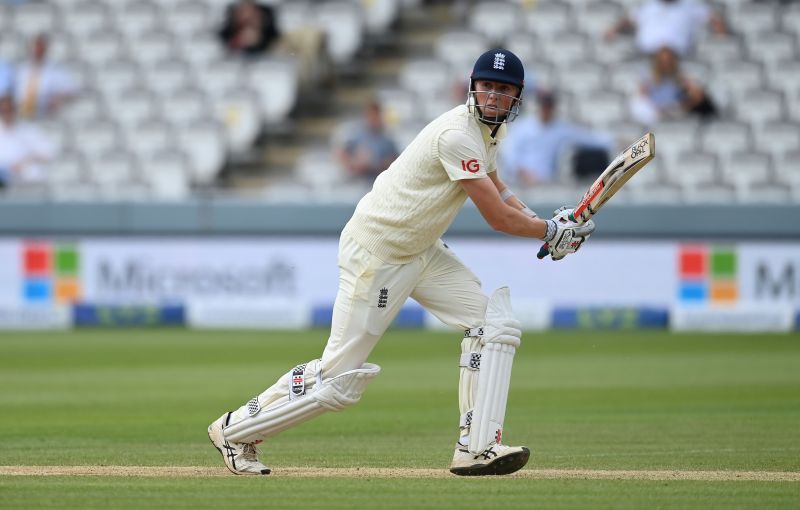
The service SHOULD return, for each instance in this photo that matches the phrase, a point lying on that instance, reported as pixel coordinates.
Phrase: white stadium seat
(343, 25)
(167, 175)
(116, 77)
(426, 77)
(95, 137)
(564, 49)
(149, 137)
(747, 168)
(169, 77)
(594, 18)
(114, 168)
(583, 78)
(546, 19)
(380, 15)
(134, 20)
(758, 107)
(137, 105)
(724, 137)
(692, 169)
(85, 18)
(778, 138)
(751, 18)
(495, 20)
(33, 18)
(204, 145)
(237, 111)
(184, 107)
(459, 47)
(68, 167)
(276, 81)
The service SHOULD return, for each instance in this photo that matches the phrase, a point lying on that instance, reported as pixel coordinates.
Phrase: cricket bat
(616, 174)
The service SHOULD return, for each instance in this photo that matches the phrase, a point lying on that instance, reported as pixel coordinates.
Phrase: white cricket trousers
(371, 294)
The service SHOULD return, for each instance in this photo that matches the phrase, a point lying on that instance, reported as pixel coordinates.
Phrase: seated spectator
(666, 93)
(42, 87)
(367, 150)
(24, 149)
(671, 23)
(530, 154)
(6, 78)
(251, 30)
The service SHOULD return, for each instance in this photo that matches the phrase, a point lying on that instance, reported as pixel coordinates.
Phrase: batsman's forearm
(516, 223)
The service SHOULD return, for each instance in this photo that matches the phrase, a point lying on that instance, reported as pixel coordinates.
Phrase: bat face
(622, 168)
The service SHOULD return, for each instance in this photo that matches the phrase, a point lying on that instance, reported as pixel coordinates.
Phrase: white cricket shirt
(415, 200)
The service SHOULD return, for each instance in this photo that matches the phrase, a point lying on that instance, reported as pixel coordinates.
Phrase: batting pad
(501, 337)
(332, 394)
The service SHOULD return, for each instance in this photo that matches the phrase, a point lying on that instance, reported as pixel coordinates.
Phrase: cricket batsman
(390, 250)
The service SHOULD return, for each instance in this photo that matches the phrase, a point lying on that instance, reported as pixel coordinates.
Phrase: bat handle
(543, 251)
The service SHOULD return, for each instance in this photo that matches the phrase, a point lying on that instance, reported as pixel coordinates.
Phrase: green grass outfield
(638, 402)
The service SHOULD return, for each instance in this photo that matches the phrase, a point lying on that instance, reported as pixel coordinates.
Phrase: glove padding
(566, 236)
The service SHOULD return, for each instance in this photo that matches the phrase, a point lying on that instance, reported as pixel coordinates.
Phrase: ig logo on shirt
(472, 166)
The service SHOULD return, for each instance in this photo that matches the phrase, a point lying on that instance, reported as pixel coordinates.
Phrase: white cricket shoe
(496, 459)
(240, 458)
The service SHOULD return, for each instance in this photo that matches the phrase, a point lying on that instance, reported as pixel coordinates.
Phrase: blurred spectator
(251, 30)
(42, 87)
(666, 93)
(671, 23)
(24, 149)
(530, 155)
(367, 150)
(6, 78)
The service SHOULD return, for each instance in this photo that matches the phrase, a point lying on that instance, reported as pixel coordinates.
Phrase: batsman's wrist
(550, 233)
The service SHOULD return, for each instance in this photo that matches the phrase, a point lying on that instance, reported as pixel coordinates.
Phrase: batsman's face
(495, 98)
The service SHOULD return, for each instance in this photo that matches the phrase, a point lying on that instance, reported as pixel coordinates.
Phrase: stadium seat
(785, 76)
(115, 168)
(237, 111)
(458, 48)
(716, 50)
(187, 19)
(582, 78)
(201, 51)
(746, 169)
(546, 19)
(379, 15)
(724, 137)
(758, 107)
(95, 137)
(184, 107)
(398, 106)
(425, 77)
(137, 105)
(692, 169)
(595, 18)
(739, 77)
(169, 77)
(88, 106)
(787, 174)
(153, 47)
(771, 48)
(33, 18)
(565, 49)
(101, 48)
(790, 19)
(294, 15)
(778, 138)
(276, 81)
(222, 76)
(204, 145)
(750, 18)
(674, 138)
(495, 20)
(343, 25)
(85, 17)
(318, 169)
(135, 19)
(149, 137)
(68, 167)
(602, 109)
(167, 175)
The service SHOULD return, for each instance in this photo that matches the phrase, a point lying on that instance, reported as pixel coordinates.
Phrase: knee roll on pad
(334, 394)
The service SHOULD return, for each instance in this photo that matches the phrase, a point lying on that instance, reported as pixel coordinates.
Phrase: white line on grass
(373, 472)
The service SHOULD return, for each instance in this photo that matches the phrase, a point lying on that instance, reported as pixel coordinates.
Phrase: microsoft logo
(50, 273)
(707, 274)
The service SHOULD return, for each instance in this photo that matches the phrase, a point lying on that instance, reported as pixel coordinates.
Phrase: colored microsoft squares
(67, 261)
(707, 274)
(51, 273)
(36, 260)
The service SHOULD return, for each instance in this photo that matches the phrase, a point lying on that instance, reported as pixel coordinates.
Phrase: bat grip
(543, 251)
